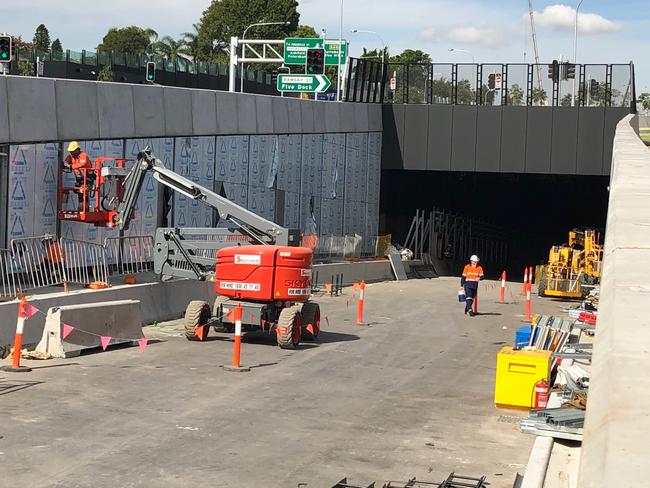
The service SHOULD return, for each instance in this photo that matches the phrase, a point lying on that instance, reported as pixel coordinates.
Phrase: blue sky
(610, 31)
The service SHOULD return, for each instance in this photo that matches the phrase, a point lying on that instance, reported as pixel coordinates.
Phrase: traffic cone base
(19, 369)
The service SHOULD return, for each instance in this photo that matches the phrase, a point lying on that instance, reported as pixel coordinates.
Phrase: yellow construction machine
(572, 268)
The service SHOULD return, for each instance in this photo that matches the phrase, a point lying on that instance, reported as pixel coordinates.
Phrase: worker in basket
(79, 162)
(472, 274)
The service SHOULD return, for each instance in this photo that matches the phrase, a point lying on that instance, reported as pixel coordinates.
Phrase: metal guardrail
(84, 262)
(129, 255)
(594, 85)
(9, 279)
(334, 247)
(39, 261)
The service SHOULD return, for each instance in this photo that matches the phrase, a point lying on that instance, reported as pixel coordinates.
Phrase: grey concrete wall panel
(312, 166)
(361, 117)
(232, 159)
(591, 124)
(116, 117)
(374, 117)
(264, 108)
(227, 117)
(332, 180)
(280, 115)
(347, 117)
(488, 139)
(289, 162)
(393, 124)
(319, 116)
(204, 112)
(439, 137)
(416, 125)
(539, 132)
(613, 116)
(31, 109)
(246, 113)
(295, 115)
(513, 139)
(178, 111)
(4, 113)
(307, 117)
(332, 117)
(148, 110)
(463, 139)
(72, 100)
(565, 140)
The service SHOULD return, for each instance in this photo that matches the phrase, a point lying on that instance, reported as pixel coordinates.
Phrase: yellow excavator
(572, 268)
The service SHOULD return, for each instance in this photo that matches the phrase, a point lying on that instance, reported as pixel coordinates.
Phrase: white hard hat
(474, 258)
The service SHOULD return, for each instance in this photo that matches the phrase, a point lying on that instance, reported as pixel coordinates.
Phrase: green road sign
(303, 83)
(295, 49)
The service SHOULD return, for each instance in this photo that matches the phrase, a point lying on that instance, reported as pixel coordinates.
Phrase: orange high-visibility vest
(471, 273)
(82, 161)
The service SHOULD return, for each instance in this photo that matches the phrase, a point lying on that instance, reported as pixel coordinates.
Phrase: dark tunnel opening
(534, 211)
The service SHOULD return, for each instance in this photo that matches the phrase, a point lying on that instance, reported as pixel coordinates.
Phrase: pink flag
(142, 343)
(31, 310)
(105, 340)
(66, 330)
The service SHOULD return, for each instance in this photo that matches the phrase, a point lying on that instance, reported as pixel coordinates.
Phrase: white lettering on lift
(298, 291)
(305, 272)
(285, 254)
(248, 259)
(237, 285)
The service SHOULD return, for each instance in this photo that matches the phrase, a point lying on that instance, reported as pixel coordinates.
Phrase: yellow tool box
(517, 373)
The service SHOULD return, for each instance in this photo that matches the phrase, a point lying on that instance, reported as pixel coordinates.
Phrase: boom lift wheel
(310, 315)
(219, 325)
(288, 329)
(197, 313)
(541, 286)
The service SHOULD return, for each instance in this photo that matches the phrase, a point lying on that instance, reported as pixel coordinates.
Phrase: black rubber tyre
(310, 315)
(541, 286)
(219, 326)
(197, 313)
(288, 328)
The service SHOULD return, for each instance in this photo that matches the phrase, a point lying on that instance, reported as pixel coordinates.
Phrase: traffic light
(593, 87)
(315, 61)
(151, 72)
(282, 70)
(5, 49)
(569, 71)
(554, 71)
(491, 81)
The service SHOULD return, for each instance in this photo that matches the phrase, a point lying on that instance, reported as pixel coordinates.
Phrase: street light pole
(575, 53)
(243, 38)
(383, 44)
(338, 67)
(454, 50)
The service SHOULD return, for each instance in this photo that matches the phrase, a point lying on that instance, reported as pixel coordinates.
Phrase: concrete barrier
(121, 320)
(158, 302)
(615, 445)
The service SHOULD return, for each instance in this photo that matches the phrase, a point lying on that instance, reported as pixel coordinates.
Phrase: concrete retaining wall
(46, 109)
(615, 447)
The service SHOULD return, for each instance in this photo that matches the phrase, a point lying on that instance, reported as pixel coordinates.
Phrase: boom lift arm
(190, 252)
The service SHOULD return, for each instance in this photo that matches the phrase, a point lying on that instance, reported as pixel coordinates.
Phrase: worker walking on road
(79, 162)
(472, 274)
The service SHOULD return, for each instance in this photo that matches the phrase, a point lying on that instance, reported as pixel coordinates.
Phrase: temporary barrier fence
(9, 280)
(39, 261)
(84, 262)
(129, 255)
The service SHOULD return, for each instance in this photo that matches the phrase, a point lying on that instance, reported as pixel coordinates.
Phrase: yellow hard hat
(73, 146)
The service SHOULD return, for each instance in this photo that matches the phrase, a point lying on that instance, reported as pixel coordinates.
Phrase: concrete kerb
(537, 463)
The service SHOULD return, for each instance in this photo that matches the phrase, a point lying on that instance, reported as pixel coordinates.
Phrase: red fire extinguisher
(541, 395)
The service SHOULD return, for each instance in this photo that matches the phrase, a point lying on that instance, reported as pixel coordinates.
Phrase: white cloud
(562, 17)
(490, 37)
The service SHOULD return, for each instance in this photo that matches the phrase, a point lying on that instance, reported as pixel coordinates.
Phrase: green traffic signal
(4, 55)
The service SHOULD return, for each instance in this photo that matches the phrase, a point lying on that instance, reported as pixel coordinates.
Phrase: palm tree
(190, 42)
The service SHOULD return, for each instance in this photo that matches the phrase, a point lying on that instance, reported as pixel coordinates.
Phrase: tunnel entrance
(532, 211)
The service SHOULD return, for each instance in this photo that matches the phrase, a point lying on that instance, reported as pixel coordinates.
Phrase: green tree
(539, 96)
(644, 100)
(170, 47)
(133, 40)
(441, 90)
(465, 95)
(226, 18)
(105, 74)
(56, 46)
(25, 68)
(565, 101)
(411, 56)
(515, 95)
(42, 38)
(190, 43)
(304, 31)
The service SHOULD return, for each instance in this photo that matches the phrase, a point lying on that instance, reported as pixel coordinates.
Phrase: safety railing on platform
(129, 255)
(9, 280)
(332, 247)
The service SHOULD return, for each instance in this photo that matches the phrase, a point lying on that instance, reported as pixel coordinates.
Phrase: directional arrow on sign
(303, 83)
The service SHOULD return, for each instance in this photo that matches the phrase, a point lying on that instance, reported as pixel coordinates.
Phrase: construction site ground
(410, 394)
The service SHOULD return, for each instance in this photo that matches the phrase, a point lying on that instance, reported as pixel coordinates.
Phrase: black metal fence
(606, 85)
